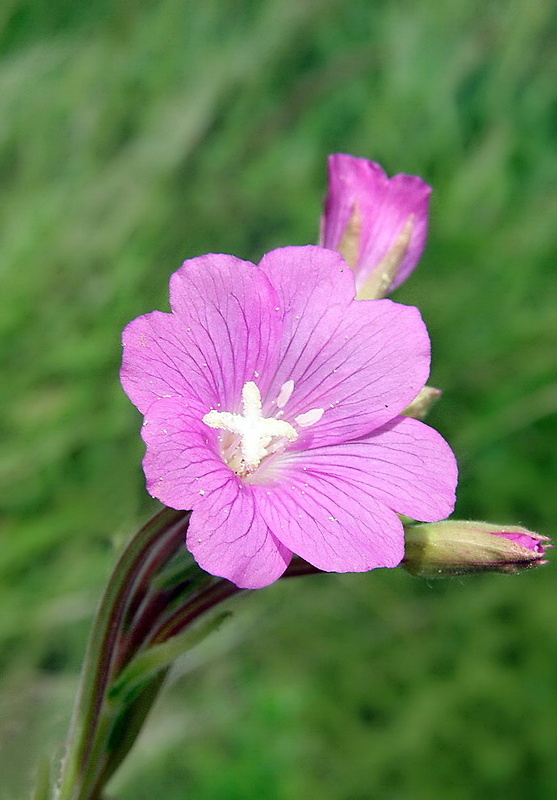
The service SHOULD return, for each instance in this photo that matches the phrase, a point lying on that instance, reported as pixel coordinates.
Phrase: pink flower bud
(378, 224)
(455, 547)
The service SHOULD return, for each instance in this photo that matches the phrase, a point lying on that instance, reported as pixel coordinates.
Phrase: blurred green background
(135, 134)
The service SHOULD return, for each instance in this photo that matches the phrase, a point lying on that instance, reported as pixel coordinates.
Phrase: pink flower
(378, 224)
(271, 401)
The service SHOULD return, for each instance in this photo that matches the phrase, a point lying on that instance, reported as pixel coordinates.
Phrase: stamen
(309, 418)
(285, 393)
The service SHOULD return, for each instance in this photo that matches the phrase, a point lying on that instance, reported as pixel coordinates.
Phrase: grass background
(135, 134)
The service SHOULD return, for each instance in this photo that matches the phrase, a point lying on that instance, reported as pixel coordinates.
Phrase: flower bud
(456, 547)
(378, 224)
(421, 404)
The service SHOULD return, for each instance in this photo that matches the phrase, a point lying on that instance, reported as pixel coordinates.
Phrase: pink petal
(182, 463)
(155, 361)
(404, 465)
(308, 276)
(529, 542)
(384, 206)
(335, 526)
(362, 362)
(224, 331)
(228, 537)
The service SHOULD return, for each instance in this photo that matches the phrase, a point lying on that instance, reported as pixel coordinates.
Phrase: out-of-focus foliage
(136, 134)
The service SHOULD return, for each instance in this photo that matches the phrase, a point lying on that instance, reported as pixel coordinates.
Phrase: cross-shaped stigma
(255, 431)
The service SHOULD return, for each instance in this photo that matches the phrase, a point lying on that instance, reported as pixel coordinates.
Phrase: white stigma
(255, 431)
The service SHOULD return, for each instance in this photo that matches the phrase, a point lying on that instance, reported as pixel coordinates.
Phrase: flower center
(251, 436)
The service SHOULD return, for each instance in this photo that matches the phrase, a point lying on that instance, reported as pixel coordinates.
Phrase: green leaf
(158, 657)
(43, 787)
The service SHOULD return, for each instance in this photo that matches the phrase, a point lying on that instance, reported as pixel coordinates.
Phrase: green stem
(142, 613)
(156, 605)
(176, 622)
(167, 525)
(217, 592)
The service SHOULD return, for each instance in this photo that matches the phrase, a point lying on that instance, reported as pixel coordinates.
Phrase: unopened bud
(456, 547)
(377, 223)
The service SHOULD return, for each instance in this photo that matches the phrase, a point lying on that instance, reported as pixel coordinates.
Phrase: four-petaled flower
(272, 403)
(379, 224)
